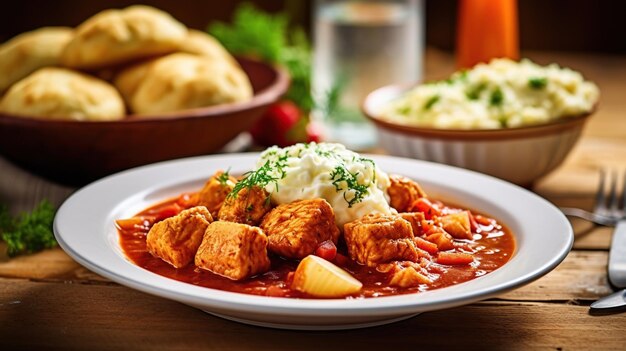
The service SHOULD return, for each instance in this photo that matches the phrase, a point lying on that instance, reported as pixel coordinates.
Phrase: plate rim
(382, 306)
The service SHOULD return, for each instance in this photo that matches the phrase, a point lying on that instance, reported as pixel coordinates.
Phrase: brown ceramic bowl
(519, 155)
(75, 153)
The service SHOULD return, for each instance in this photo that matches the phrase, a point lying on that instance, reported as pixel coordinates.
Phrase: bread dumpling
(128, 80)
(114, 37)
(29, 51)
(60, 93)
(182, 81)
(203, 44)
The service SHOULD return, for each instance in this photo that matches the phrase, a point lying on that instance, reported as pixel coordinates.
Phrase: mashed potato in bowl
(353, 185)
(501, 94)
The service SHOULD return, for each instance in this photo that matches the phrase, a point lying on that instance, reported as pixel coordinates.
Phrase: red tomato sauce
(492, 247)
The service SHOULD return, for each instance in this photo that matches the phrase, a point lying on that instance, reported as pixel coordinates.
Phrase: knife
(617, 270)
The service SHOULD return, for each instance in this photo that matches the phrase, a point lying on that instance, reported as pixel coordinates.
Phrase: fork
(604, 213)
(612, 213)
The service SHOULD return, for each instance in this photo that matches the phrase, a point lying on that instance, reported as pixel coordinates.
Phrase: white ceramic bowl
(519, 155)
(85, 229)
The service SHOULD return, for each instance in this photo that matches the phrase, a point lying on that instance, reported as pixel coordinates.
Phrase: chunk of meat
(415, 218)
(295, 230)
(403, 192)
(248, 206)
(176, 239)
(376, 239)
(233, 250)
(215, 190)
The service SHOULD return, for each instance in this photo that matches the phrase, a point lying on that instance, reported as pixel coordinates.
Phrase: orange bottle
(486, 29)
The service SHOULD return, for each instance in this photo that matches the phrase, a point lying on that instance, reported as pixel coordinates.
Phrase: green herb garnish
(537, 83)
(261, 177)
(497, 97)
(474, 92)
(30, 232)
(341, 175)
(430, 102)
(224, 177)
(268, 37)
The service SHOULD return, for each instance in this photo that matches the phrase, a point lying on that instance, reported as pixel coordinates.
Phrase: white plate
(84, 227)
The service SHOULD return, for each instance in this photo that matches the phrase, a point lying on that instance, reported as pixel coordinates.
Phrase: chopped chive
(433, 100)
(497, 97)
(474, 92)
(537, 83)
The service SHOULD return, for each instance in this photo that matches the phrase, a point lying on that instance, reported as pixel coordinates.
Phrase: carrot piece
(473, 223)
(426, 245)
(427, 207)
(187, 200)
(454, 258)
(482, 220)
(326, 250)
(168, 211)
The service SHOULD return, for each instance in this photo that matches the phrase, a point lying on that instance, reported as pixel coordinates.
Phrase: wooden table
(47, 301)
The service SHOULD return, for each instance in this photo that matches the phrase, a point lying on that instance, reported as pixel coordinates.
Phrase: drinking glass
(361, 45)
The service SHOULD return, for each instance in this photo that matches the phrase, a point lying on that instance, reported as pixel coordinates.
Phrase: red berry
(273, 126)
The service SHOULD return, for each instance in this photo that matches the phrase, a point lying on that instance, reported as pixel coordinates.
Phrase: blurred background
(567, 25)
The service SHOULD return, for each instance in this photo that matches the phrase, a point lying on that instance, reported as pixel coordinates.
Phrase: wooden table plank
(45, 315)
(580, 278)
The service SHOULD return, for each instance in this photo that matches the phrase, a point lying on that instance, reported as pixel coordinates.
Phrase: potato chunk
(457, 225)
(233, 250)
(296, 229)
(376, 239)
(318, 277)
(176, 239)
(248, 206)
(214, 192)
(408, 277)
(403, 192)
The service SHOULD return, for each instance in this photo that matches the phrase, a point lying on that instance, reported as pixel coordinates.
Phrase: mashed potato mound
(501, 94)
(353, 185)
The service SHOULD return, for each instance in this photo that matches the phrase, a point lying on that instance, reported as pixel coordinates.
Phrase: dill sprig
(224, 177)
(341, 175)
(261, 178)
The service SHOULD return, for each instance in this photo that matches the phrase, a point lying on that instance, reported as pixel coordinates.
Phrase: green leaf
(255, 33)
(31, 232)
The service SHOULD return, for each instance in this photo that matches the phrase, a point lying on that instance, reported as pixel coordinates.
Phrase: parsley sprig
(269, 37)
(29, 232)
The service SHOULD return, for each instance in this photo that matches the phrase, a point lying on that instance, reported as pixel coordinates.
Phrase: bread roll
(128, 80)
(59, 93)
(181, 81)
(114, 37)
(30, 51)
(203, 44)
